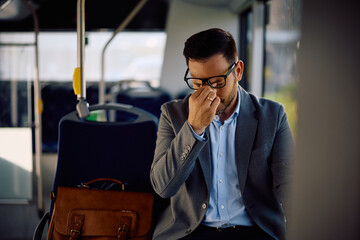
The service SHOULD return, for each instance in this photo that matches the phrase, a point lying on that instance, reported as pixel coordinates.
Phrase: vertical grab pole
(127, 20)
(79, 83)
(37, 112)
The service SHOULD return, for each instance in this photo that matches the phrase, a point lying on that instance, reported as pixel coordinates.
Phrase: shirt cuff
(198, 137)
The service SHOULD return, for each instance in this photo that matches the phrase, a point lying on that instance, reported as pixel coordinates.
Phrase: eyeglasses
(214, 82)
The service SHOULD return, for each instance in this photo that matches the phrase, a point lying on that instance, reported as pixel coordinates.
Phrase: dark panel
(61, 16)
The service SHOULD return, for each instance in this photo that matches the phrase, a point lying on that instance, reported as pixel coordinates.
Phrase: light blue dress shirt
(226, 207)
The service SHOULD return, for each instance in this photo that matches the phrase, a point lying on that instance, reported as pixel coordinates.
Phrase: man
(222, 155)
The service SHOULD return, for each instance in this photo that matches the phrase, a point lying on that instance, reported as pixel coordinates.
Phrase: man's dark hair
(208, 43)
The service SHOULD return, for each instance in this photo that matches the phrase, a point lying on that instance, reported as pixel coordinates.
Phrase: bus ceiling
(61, 15)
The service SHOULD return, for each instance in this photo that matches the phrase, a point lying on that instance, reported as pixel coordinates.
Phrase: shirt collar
(237, 108)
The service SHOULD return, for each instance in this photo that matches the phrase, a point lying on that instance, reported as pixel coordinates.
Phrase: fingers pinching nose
(211, 96)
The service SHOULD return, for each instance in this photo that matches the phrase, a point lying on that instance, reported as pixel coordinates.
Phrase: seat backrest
(58, 100)
(108, 149)
(142, 96)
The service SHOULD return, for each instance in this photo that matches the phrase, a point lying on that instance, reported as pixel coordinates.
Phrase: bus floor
(19, 220)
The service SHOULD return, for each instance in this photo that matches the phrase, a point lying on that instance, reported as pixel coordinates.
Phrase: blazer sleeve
(175, 153)
(281, 155)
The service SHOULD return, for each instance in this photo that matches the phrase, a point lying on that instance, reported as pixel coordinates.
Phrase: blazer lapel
(205, 160)
(245, 134)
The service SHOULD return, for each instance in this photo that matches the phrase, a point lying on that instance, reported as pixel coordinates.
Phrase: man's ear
(239, 69)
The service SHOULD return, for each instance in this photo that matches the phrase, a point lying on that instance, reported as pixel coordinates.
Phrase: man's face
(214, 66)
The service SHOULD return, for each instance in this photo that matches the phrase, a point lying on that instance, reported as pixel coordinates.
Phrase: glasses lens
(194, 83)
(217, 82)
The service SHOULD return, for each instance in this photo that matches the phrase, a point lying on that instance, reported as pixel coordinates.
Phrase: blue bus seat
(58, 100)
(120, 148)
(142, 95)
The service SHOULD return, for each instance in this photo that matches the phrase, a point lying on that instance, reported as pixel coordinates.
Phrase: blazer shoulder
(177, 104)
(176, 109)
(267, 110)
(266, 105)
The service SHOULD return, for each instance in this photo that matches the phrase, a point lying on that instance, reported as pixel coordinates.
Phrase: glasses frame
(206, 80)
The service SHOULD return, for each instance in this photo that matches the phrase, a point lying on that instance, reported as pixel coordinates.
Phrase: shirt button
(222, 128)
(203, 205)
(222, 206)
(220, 180)
(221, 154)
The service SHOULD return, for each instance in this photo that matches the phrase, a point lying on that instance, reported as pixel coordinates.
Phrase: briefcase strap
(88, 184)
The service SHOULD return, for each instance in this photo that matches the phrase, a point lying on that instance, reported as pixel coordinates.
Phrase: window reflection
(282, 43)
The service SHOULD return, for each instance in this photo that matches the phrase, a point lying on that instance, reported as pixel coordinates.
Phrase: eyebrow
(224, 74)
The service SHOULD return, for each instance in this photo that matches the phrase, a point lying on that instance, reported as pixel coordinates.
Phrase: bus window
(246, 46)
(282, 42)
(130, 56)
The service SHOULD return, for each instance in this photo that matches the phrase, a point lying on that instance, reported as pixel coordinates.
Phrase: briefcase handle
(87, 185)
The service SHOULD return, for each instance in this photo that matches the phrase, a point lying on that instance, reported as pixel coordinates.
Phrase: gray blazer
(181, 170)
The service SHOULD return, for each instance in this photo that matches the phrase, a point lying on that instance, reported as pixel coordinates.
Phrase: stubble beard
(225, 103)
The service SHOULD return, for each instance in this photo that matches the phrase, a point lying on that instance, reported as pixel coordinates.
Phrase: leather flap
(103, 210)
(103, 222)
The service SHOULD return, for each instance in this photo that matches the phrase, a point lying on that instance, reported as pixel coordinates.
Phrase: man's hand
(202, 108)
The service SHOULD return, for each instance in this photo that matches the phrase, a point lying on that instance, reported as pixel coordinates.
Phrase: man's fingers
(210, 97)
(196, 93)
(200, 93)
(215, 103)
(205, 94)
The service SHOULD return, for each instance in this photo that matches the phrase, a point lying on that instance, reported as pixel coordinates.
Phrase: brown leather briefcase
(81, 213)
